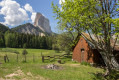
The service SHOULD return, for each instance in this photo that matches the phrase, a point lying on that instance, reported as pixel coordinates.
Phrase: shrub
(85, 63)
(67, 50)
(57, 50)
(113, 76)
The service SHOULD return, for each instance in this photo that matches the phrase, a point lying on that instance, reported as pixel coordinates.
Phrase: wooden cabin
(84, 51)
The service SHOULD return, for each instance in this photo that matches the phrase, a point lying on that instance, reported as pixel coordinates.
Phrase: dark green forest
(13, 39)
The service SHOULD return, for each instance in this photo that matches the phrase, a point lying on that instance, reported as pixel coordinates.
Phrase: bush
(67, 50)
(85, 63)
(57, 50)
(113, 76)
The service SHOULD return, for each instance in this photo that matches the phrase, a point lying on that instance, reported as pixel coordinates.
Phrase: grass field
(35, 71)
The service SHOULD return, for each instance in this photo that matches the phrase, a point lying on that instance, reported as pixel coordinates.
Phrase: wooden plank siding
(83, 52)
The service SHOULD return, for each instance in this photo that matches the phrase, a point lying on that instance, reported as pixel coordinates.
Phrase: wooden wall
(82, 52)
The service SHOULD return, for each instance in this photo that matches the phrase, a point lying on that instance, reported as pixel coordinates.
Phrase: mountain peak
(28, 28)
(42, 23)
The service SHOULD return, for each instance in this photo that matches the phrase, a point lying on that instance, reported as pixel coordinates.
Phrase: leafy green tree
(3, 28)
(1, 42)
(97, 17)
(63, 41)
(24, 52)
(8, 39)
(49, 42)
(25, 45)
(43, 44)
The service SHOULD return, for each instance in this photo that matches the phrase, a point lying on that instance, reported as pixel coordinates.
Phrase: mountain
(28, 28)
(3, 28)
(42, 23)
(41, 26)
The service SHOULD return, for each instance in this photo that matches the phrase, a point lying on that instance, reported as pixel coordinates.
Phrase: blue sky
(42, 6)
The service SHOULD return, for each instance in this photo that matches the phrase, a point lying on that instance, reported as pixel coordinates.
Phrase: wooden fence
(51, 58)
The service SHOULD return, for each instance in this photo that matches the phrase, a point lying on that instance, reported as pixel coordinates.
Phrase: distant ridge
(3, 28)
(28, 28)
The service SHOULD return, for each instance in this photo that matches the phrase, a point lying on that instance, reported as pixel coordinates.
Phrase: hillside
(28, 28)
(3, 28)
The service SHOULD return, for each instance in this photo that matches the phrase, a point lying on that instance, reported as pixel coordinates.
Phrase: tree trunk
(114, 63)
(110, 63)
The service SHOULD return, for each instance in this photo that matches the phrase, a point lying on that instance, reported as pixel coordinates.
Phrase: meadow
(33, 69)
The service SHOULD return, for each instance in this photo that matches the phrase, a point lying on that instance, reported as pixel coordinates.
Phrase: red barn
(85, 52)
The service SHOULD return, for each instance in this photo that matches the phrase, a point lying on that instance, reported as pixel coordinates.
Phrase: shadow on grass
(100, 76)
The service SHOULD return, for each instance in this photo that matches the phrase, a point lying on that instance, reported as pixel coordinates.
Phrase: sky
(17, 12)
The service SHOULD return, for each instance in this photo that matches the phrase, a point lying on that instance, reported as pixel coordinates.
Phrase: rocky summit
(42, 23)
(28, 28)
(40, 27)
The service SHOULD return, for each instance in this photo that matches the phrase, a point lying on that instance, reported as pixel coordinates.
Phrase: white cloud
(13, 13)
(33, 16)
(28, 8)
(61, 1)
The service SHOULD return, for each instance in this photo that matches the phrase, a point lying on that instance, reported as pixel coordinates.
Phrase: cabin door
(82, 55)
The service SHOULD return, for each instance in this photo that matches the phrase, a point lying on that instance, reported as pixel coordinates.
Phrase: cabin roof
(88, 39)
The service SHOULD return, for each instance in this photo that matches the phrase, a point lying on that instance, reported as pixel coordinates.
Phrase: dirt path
(20, 75)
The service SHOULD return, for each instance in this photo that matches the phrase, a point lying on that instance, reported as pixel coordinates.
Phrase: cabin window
(82, 50)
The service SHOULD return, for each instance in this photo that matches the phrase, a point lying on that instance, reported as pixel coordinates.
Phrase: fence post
(5, 59)
(42, 57)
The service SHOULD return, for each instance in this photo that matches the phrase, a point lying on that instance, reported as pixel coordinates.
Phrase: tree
(49, 42)
(24, 52)
(2, 44)
(97, 17)
(63, 41)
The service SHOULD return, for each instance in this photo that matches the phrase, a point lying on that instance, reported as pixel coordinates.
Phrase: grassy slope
(70, 71)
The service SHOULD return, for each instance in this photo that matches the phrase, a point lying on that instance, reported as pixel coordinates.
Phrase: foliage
(98, 18)
(63, 41)
(16, 52)
(25, 45)
(10, 38)
(67, 50)
(24, 52)
(17, 40)
(85, 63)
(113, 76)
(3, 28)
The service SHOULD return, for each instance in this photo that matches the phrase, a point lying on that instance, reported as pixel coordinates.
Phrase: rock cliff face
(42, 23)
(28, 29)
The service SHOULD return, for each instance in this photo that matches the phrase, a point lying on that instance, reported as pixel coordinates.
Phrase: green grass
(70, 70)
